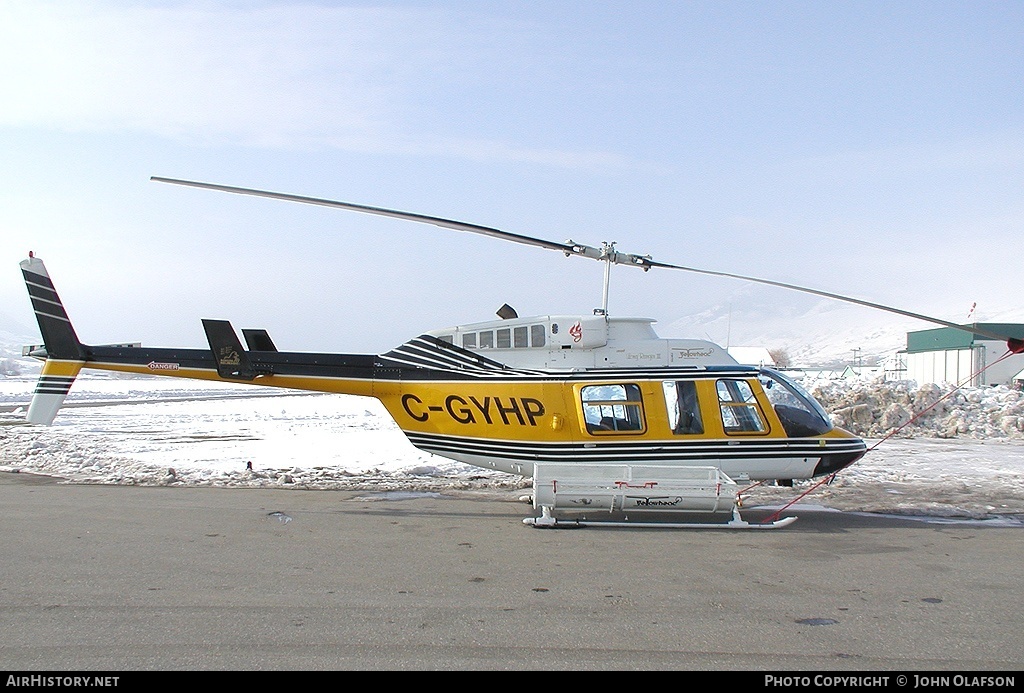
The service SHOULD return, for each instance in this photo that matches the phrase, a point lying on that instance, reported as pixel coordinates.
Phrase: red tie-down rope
(1015, 346)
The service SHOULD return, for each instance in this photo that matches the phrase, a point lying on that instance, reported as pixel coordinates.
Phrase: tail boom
(226, 360)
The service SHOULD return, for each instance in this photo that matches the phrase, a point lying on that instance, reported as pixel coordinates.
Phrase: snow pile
(875, 409)
(90, 461)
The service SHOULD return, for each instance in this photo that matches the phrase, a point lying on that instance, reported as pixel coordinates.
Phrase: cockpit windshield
(801, 415)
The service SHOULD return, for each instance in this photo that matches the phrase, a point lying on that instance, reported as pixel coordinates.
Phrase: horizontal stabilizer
(232, 360)
(258, 340)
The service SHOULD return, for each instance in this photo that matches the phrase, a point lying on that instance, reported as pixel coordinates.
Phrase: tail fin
(58, 334)
(64, 353)
(55, 380)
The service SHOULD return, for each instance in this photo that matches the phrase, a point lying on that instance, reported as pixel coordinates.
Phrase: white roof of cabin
(751, 356)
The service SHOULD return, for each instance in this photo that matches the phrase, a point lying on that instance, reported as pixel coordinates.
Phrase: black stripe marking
(650, 450)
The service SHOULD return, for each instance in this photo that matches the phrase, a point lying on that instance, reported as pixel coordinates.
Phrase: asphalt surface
(125, 578)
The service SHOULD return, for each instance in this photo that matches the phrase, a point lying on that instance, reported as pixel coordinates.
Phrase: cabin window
(740, 410)
(447, 338)
(683, 407)
(537, 335)
(469, 341)
(521, 336)
(610, 409)
(487, 340)
(504, 338)
(799, 413)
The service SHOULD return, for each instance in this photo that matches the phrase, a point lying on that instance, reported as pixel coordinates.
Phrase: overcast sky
(867, 148)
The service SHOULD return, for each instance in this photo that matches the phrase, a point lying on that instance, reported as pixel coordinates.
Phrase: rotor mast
(609, 256)
(607, 250)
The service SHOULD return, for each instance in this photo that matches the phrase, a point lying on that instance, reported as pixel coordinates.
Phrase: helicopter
(611, 422)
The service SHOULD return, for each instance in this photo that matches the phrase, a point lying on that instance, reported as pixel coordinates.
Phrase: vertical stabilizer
(55, 380)
(64, 353)
(58, 334)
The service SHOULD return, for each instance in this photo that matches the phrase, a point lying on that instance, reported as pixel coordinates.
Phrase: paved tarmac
(124, 578)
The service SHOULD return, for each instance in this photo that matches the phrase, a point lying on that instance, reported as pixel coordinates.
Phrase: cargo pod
(610, 494)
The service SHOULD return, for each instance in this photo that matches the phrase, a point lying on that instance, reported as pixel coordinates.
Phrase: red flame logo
(576, 331)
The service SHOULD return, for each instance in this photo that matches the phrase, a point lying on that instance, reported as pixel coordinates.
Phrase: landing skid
(549, 521)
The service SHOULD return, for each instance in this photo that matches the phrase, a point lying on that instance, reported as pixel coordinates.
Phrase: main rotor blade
(568, 248)
(838, 297)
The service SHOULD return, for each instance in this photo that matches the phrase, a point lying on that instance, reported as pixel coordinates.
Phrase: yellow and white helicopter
(611, 422)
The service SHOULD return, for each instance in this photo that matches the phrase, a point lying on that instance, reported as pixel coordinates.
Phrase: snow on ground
(170, 431)
(962, 458)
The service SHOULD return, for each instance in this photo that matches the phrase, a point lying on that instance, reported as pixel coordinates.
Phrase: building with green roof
(961, 357)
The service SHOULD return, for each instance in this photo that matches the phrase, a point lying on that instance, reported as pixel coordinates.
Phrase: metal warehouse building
(949, 355)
